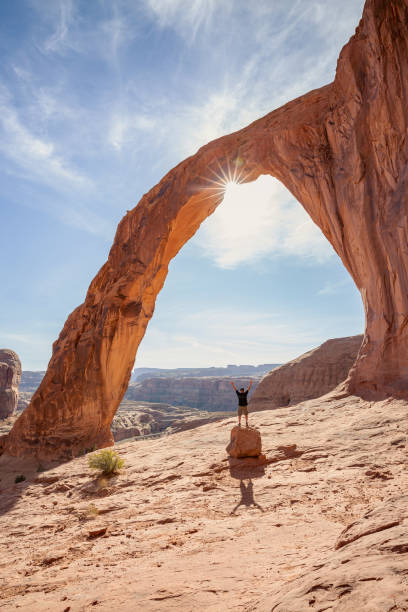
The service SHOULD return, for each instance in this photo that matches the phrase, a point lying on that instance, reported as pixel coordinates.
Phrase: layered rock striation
(213, 394)
(311, 375)
(341, 150)
(10, 375)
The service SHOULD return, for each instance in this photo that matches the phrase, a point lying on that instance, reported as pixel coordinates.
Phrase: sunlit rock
(341, 150)
(10, 375)
(311, 375)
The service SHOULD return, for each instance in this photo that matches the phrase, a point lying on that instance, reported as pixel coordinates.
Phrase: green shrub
(106, 461)
(19, 478)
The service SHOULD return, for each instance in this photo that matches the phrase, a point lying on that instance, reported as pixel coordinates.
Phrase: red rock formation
(341, 150)
(10, 376)
(310, 375)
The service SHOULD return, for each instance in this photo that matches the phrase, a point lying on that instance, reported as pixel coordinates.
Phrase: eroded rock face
(311, 375)
(10, 375)
(341, 150)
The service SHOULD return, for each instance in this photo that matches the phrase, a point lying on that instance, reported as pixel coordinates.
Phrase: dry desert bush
(106, 461)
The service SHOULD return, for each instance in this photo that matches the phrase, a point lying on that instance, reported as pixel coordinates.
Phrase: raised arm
(231, 383)
(250, 385)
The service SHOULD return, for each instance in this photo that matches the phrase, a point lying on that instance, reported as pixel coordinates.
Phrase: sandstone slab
(265, 535)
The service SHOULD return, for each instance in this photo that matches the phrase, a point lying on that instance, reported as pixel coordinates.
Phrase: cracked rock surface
(322, 524)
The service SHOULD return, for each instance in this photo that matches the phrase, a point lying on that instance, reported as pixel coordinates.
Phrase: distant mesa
(30, 380)
(204, 393)
(231, 370)
(311, 375)
(10, 375)
(202, 388)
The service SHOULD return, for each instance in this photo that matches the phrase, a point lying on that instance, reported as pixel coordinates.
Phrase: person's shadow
(247, 496)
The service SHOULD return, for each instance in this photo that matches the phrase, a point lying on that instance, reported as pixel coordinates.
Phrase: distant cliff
(30, 380)
(231, 370)
(210, 393)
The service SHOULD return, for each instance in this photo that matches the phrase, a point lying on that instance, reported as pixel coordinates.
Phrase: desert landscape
(321, 525)
(304, 509)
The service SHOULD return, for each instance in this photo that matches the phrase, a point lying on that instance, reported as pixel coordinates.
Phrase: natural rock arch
(342, 151)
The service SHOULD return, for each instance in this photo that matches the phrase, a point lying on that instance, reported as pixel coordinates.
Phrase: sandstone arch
(341, 150)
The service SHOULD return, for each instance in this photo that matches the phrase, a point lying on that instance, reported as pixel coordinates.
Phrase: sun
(224, 179)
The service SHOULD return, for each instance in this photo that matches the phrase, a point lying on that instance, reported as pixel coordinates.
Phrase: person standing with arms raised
(242, 402)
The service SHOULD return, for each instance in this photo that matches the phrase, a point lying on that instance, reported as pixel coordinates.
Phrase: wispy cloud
(333, 288)
(219, 336)
(35, 155)
(257, 220)
(124, 128)
(187, 16)
(62, 13)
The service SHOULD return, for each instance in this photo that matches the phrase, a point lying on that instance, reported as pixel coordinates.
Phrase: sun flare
(224, 179)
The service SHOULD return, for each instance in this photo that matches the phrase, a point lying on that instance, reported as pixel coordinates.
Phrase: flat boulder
(244, 442)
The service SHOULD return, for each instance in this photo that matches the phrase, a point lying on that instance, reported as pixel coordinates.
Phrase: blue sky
(99, 99)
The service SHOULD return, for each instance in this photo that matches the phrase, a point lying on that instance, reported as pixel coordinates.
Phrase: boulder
(10, 376)
(244, 442)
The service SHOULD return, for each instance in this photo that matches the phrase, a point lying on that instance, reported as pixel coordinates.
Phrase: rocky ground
(322, 526)
(141, 419)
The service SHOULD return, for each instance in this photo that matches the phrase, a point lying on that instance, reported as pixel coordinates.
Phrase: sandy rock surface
(310, 375)
(323, 526)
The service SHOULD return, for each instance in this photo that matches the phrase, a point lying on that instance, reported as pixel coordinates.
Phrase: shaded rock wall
(311, 375)
(10, 375)
(342, 150)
